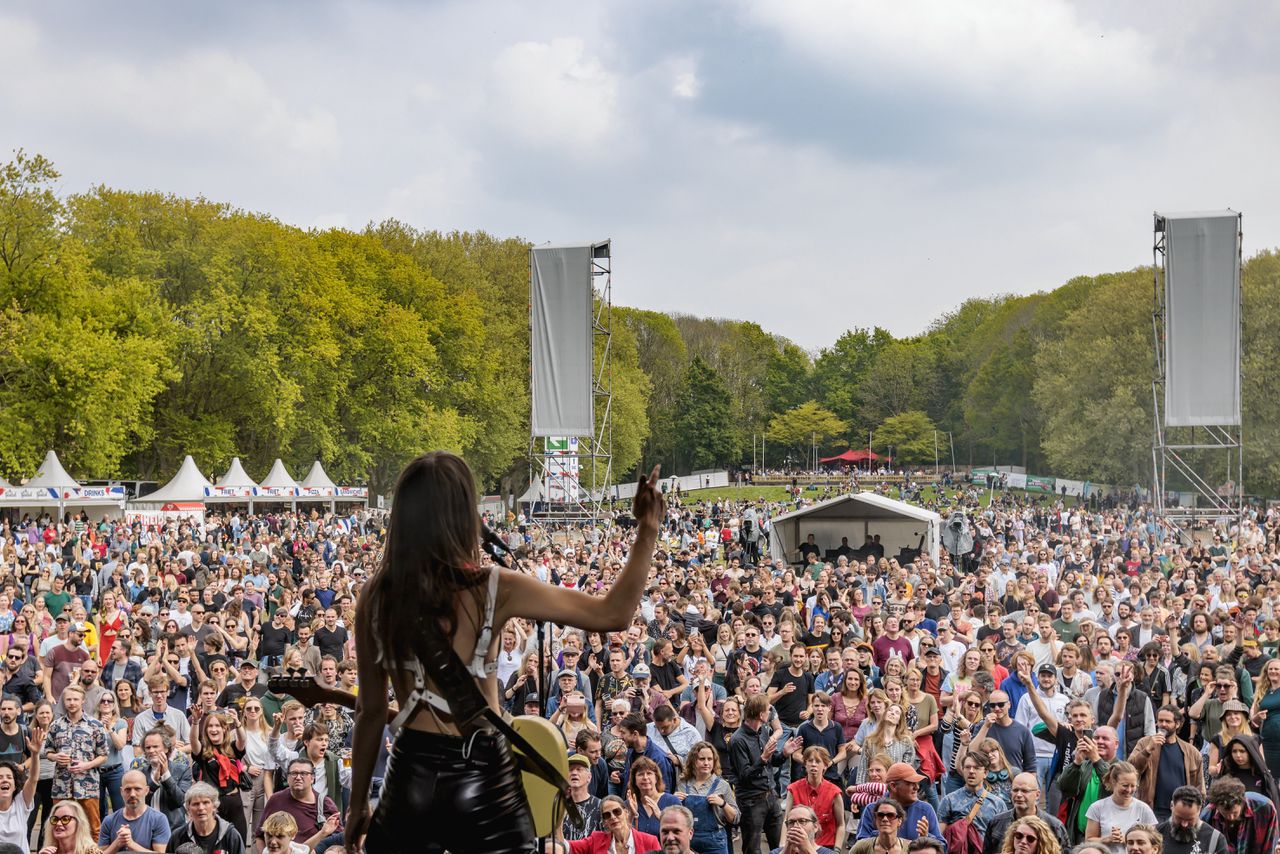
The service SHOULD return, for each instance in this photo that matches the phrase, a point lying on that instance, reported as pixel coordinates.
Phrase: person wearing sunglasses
(18, 674)
(68, 831)
(617, 835)
(1030, 835)
(887, 817)
(1014, 738)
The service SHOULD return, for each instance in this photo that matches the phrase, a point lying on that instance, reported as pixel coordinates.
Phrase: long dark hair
(431, 555)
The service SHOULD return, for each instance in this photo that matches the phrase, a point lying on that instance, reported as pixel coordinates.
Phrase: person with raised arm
(430, 618)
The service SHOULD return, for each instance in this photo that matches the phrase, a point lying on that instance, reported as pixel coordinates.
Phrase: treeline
(1058, 382)
(138, 327)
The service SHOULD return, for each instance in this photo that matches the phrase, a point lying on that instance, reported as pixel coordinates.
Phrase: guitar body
(545, 799)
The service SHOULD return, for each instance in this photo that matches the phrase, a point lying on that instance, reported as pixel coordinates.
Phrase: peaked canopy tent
(278, 487)
(53, 487)
(234, 487)
(857, 516)
(318, 486)
(186, 487)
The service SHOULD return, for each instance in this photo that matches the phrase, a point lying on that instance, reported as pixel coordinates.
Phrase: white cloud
(1040, 54)
(553, 94)
(687, 85)
(204, 99)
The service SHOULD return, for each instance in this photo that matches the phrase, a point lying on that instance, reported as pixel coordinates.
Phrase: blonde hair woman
(257, 759)
(891, 737)
(1031, 835)
(68, 831)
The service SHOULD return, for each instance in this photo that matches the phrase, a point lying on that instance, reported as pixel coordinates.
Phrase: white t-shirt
(1027, 716)
(13, 823)
(1108, 815)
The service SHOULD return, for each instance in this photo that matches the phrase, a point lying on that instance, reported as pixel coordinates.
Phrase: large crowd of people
(1084, 679)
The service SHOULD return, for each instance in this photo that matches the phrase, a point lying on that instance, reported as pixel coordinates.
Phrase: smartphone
(1088, 733)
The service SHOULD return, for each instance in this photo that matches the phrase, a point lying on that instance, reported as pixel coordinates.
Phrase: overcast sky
(813, 165)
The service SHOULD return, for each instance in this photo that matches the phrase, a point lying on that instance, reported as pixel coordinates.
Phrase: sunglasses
(610, 813)
(1025, 837)
(62, 819)
(996, 704)
(886, 816)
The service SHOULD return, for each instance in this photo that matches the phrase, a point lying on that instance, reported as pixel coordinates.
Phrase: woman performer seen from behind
(431, 589)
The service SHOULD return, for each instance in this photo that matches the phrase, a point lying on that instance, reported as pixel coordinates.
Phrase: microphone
(494, 546)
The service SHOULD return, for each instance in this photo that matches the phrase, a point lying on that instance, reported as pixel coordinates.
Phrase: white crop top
(479, 668)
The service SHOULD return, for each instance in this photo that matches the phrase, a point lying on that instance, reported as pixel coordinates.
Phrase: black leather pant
(444, 792)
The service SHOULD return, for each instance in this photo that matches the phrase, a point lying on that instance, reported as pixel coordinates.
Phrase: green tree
(801, 426)
(788, 376)
(704, 425)
(909, 436)
(1093, 384)
(662, 356)
(839, 370)
(1260, 373)
(903, 376)
(30, 221)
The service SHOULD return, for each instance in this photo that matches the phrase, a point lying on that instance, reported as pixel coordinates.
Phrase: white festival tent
(317, 486)
(52, 486)
(234, 487)
(182, 497)
(188, 485)
(278, 486)
(857, 516)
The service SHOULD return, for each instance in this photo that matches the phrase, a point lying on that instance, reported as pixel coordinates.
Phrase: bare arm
(837, 807)
(34, 744)
(371, 718)
(1050, 722)
(526, 596)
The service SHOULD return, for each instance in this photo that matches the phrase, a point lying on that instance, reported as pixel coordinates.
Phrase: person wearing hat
(588, 805)
(64, 659)
(246, 685)
(1253, 660)
(904, 788)
(1032, 714)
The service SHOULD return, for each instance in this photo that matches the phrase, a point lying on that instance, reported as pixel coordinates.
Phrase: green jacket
(1073, 782)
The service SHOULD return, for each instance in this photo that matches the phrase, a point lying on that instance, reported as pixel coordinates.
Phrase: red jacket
(599, 842)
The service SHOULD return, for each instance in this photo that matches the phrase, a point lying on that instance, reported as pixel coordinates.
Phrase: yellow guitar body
(544, 798)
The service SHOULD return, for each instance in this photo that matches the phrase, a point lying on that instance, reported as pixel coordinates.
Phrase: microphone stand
(494, 546)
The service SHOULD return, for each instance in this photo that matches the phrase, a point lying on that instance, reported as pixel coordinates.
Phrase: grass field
(779, 493)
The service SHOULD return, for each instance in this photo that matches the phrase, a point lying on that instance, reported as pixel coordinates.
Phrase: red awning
(851, 456)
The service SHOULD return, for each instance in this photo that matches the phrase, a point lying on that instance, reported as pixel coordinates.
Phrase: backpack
(961, 836)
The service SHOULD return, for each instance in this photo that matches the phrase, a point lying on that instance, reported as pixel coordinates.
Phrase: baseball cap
(932, 652)
(640, 672)
(63, 617)
(82, 628)
(1047, 668)
(900, 772)
(248, 662)
(580, 759)
(1249, 642)
(532, 698)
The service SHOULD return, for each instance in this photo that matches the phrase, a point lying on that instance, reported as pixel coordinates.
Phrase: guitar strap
(470, 710)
